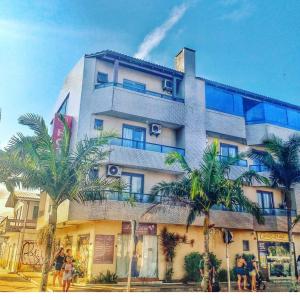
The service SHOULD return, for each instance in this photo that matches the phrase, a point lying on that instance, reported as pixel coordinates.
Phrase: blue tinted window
(133, 85)
(293, 118)
(221, 100)
(275, 114)
(254, 111)
(102, 77)
(98, 124)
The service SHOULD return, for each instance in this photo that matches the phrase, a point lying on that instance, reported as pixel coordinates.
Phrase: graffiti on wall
(31, 254)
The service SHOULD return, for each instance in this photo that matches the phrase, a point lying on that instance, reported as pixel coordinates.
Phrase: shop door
(82, 255)
(144, 262)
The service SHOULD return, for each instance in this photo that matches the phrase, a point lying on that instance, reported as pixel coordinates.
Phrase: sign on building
(104, 249)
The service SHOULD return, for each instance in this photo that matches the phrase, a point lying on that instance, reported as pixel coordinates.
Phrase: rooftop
(112, 55)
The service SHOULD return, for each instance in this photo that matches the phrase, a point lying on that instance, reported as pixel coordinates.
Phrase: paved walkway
(14, 283)
(29, 281)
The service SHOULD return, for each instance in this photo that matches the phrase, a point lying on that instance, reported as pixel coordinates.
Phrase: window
(222, 100)
(102, 77)
(134, 182)
(228, 150)
(35, 212)
(134, 137)
(98, 124)
(133, 85)
(63, 108)
(265, 201)
(246, 246)
(93, 174)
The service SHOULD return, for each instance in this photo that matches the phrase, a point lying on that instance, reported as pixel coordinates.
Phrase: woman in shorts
(58, 264)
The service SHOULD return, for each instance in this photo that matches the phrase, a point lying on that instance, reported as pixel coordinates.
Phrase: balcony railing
(264, 211)
(259, 168)
(121, 196)
(276, 212)
(142, 91)
(15, 225)
(145, 146)
(240, 163)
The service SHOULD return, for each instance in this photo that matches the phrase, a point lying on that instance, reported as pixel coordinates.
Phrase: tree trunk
(288, 199)
(47, 263)
(132, 247)
(206, 253)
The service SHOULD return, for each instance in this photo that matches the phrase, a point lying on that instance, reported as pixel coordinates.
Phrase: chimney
(185, 61)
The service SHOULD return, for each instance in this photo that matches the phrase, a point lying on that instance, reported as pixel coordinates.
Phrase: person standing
(240, 272)
(253, 271)
(58, 264)
(298, 268)
(67, 274)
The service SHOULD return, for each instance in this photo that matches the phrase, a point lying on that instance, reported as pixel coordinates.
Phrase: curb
(32, 281)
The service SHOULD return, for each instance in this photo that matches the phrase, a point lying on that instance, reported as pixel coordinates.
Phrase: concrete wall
(226, 124)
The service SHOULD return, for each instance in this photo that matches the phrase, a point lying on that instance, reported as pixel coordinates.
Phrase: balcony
(145, 146)
(239, 163)
(15, 225)
(259, 168)
(121, 196)
(142, 91)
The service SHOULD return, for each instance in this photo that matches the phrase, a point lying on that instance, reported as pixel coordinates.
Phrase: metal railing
(276, 212)
(147, 92)
(240, 163)
(145, 146)
(121, 196)
(259, 168)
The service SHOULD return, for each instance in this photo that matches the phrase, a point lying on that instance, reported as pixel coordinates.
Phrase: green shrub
(107, 278)
(194, 261)
(222, 275)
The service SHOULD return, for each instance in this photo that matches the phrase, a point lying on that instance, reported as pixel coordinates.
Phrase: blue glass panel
(275, 114)
(254, 111)
(133, 85)
(293, 118)
(224, 101)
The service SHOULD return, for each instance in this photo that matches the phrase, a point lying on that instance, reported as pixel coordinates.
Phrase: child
(67, 274)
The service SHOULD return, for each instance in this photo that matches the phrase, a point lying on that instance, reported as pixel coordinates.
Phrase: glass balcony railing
(259, 168)
(240, 163)
(142, 91)
(121, 196)
(264, 211)
(145, 146)
(276, 212)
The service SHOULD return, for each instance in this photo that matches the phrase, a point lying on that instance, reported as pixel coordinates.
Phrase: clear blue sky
(245, 43)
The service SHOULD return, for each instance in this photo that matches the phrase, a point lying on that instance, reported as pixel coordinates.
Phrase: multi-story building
(155, 110)
(18, 243)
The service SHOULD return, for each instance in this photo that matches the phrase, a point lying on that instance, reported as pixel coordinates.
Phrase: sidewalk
(145, 287)
(12, 282)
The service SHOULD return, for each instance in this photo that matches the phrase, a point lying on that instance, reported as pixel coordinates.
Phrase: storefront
(144, 262)
(273, 251)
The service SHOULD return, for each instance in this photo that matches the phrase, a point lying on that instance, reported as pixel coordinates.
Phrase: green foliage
(191, 265)
(108, 278)
(169, 241)
(222, 275)
(194, 262)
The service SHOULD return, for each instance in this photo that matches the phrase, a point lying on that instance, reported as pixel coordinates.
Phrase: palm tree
(35, 162)
(208, 186)
(282, 160)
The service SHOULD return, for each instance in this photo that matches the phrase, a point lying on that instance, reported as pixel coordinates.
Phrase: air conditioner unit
(167, 85)
(155, 129)
(114, 171)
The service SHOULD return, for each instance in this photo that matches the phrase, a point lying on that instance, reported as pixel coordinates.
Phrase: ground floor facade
(101, 246)
(20, 251)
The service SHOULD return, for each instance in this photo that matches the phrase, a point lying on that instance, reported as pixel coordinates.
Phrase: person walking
(241, 272)
(67, 274)
(253, 271)
(59, 259)
(298, 268)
